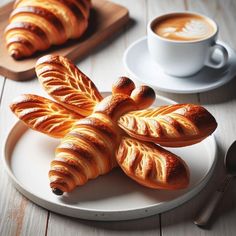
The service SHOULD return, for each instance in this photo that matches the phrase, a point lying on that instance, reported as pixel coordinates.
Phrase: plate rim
(110, 215)
(169, 90)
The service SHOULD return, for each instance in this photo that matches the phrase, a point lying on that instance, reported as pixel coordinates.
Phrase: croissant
(35, 25)
(95, 139)
(84, 153)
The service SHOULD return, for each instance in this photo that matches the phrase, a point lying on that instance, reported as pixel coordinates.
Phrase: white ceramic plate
(141, 67)
(27, 157)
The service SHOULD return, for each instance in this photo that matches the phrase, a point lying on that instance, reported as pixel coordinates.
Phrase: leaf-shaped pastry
(174, 125)
(44, 115)
(152, 166)
(67, 84)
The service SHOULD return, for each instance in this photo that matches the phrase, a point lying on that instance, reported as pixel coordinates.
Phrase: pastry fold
(86, 152)
(98, 134)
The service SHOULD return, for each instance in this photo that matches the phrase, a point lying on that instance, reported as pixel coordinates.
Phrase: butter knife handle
(205, 214)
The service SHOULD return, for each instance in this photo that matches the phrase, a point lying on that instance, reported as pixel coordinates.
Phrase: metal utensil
(204, 216)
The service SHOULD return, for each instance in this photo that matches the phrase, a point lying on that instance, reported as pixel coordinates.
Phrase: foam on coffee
(184, 27)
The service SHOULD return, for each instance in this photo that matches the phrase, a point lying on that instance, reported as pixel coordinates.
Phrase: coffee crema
(184, 27)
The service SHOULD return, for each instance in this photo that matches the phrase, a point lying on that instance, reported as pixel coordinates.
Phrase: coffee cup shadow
(209, 75)
(222, 94)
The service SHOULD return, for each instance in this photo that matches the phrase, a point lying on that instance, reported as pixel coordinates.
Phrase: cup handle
(211, 62)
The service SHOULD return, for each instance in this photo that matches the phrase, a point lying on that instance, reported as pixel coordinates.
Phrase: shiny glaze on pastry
(44, 115)
(152, 165)
(172, 126)
(35, 25)
(69, 86)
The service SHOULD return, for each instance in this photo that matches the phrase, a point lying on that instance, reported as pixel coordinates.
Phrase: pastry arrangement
(121, 130)
(36, 25)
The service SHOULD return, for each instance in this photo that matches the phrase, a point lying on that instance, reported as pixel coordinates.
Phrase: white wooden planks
(18, 216)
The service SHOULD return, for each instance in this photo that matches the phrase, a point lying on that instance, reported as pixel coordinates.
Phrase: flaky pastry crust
(44, 115)
(172, 126)
(35, 25)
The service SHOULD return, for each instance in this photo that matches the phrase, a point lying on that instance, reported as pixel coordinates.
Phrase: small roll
(123, 85)
(143, 96)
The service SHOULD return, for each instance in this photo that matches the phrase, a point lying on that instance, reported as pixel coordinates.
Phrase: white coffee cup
(185, 58)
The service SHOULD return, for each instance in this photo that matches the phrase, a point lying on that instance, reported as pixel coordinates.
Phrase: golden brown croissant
(93, 143)
(85, 153)
(35, 25)
(171, 126)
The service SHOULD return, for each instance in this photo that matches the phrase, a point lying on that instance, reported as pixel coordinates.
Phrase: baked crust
(172, 126)
(94, 130)
(151, 165)
(35, 25)
(44, 115)
(69, 86)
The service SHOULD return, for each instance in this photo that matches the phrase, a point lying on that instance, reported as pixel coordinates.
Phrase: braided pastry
(35, 25)
(172, 126)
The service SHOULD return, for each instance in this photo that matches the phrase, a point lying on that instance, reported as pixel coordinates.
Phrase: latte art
(193, 29)
(184, 27)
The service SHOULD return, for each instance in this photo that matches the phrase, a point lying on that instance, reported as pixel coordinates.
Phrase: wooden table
(18, 216)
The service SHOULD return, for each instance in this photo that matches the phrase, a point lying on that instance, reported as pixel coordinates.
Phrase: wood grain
(18, 216)
(106, 19)
(70, 226)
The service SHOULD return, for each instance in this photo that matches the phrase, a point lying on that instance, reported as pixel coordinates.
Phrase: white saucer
(141, 67)
(27, 156)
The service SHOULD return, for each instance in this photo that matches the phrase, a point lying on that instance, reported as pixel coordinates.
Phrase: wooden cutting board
(106, 19)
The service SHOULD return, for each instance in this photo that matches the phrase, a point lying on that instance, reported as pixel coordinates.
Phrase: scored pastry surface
(85, 153)
(62, 80)
(44, 115)
(151, 165)
(173, 125)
